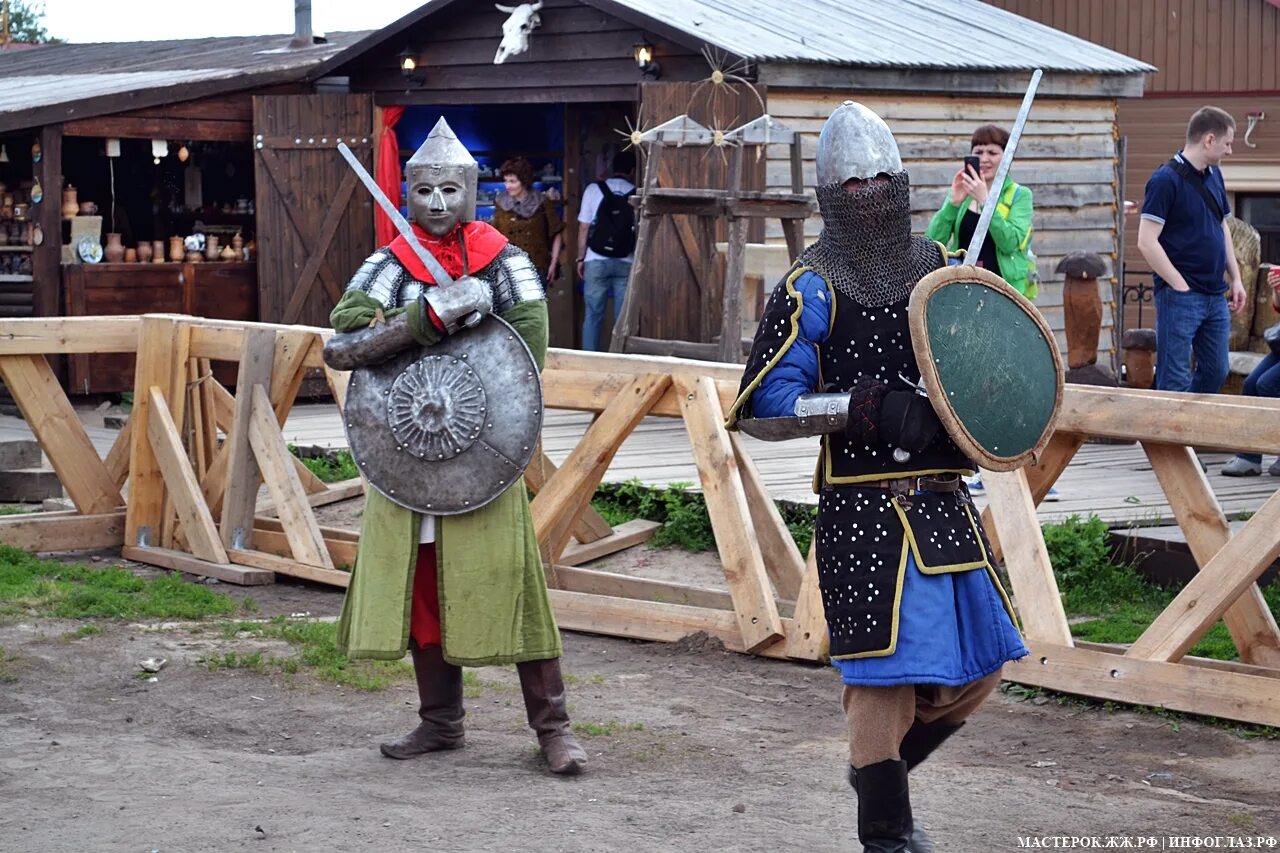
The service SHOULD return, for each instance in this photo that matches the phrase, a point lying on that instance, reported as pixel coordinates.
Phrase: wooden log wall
(1067, 157)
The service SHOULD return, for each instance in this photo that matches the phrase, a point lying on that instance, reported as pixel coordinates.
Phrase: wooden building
(1220, 52)
(578, 84)
(157, 140)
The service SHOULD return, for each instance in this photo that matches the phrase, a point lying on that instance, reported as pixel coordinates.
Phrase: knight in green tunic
(464, 589)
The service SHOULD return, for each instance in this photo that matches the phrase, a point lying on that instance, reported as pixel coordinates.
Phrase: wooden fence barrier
(193, 505)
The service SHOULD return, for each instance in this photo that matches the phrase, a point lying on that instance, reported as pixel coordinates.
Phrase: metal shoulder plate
(515, 279)
(384, 278)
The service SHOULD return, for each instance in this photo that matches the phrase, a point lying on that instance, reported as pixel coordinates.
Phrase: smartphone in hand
(972, 162)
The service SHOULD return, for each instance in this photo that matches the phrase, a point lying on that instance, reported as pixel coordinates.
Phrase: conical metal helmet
(855, 143)
(441, 155)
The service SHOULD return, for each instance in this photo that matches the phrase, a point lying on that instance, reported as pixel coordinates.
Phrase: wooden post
(240, 495)
(155, 367)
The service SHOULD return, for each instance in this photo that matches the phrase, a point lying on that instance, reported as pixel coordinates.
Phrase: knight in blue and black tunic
(919, 625)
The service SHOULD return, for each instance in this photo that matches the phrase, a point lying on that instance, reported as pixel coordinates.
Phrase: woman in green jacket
(1005, 248)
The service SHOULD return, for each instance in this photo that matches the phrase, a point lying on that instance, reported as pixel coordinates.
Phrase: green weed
(10, 664)
(30, 585)
(81, 632)
(17, 509)
(331, 468)
(613, 727)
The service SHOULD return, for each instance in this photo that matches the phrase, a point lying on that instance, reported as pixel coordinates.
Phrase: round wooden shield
(989, 362)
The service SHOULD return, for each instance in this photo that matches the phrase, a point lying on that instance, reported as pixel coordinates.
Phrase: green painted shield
(989, 362)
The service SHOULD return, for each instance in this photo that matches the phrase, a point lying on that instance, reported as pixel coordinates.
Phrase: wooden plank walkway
(1113, 481)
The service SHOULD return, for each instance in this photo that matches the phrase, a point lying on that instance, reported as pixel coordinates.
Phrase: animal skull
(516, 29)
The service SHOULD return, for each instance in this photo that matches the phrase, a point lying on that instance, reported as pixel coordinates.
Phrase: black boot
(924, 738)
(884, 806)
(544, 701)
(440, 706)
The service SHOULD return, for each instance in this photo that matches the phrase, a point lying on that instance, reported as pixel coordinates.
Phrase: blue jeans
(1263, 381)
(602, 278)
(1187, 323)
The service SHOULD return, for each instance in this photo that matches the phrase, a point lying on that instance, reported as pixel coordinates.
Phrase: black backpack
(613, 234)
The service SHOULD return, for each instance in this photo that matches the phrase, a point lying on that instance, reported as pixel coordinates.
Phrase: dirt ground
(707, 751)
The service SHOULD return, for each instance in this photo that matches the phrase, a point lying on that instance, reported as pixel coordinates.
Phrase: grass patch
(613, 727)
(683, 514)
(17, 509)
(331, 467)
(10, 664)
(315, 650)
(81, 632)
(33, 586)
(1122, 603)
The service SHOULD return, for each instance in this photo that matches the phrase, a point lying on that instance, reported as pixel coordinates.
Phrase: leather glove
(866, 398)
(463, 303)
(907, 420)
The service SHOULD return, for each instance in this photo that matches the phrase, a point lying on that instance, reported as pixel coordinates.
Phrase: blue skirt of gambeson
(952, 629)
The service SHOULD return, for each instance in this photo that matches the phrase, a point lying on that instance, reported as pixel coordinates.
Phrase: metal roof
(924, 34)
(63, 81)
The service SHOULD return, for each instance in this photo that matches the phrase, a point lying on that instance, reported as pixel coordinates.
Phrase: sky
(150, 20)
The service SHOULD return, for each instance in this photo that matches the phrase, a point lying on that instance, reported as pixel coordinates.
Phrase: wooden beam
(66, 335)
(1041, 476)
(284, 566)
(343, 490)
(1249, 619)
(574, 579)
(198, 527)
(591, 527)
(181, 562)
(1034, 586)
(176, 397)
(341, 552)
(625, 535)
(782, 558)
(284, 485)
(1239, 424)
(155, 367)
(197, 130)
(736, 539)
(1219, 583)
(56, 531)
(557, 508)
(61, 435)
(241, 491)
(1176, 686)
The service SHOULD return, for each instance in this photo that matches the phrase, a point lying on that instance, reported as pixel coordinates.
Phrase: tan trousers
(879, 717)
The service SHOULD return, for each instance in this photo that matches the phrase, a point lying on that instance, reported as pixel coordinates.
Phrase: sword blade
(997, 184)
(443, 279)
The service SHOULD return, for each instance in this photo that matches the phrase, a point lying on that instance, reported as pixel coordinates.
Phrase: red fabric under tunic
(484, 242)
(424, 617)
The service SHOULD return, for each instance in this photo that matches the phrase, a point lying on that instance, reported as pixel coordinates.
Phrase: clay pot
(88, 208)
(228, 254)
(70, 206)
(157, 251)
(211, 247)
(130, 255)
(194, 257)
(144, 252)
(176, 250)
(237, 243)
(113, 252)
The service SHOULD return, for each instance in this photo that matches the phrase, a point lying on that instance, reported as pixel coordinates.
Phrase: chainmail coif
(865, 249)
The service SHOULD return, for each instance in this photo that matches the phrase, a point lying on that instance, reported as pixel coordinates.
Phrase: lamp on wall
(643, 52)
(409, 66)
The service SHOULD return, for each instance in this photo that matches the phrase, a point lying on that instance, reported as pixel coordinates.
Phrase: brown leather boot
(544, 700)
(440, 698)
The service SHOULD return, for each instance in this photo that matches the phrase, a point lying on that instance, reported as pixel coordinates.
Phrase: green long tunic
(494, 607)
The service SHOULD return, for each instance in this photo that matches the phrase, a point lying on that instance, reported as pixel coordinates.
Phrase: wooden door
(683, 292)
(315, 220)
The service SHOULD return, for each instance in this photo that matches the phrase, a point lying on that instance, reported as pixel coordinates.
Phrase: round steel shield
(989, 362)
(447, 428)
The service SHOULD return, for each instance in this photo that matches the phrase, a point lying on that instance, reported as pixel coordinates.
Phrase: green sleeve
(530, 320)
(356, 310)
(943, 225)
(1009, 234)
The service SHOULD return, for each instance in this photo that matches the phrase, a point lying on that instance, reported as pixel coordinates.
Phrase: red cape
(484, 242)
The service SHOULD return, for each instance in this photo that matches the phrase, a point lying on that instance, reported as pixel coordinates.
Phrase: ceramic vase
(157, 251)
(70, 206)
(113, 252)
(177, 252)
(144, 252)
(211, 247)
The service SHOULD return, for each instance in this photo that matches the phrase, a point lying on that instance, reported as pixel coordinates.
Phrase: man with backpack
(606, 243)
(1185, 238)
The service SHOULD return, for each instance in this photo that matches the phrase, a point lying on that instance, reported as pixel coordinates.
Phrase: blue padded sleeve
(796, 372)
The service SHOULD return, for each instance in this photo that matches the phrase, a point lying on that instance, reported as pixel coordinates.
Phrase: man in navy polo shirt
(1184, 236)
